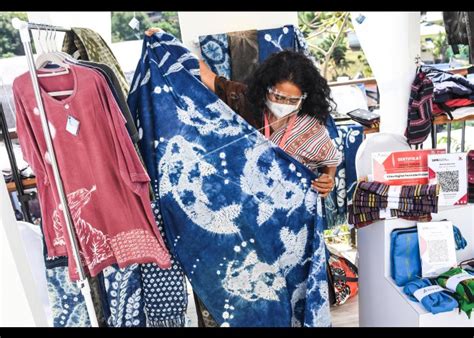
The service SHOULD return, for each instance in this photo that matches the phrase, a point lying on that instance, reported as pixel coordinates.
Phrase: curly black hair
(294, 67)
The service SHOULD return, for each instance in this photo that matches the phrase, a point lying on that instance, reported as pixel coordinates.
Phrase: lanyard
(288, 129)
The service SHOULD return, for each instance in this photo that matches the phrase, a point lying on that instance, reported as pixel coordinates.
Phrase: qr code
(438, 251)
(449, 180)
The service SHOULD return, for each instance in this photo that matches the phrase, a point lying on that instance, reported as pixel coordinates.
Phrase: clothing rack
(22, 197)
(83, 284)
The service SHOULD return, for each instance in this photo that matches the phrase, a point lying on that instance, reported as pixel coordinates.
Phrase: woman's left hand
(323, 184)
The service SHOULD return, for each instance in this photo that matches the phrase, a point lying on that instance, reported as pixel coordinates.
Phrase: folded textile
(407, 191)
(436, 302)
(361, 220)
(405, 262)
(371, 202)
(464, 290)
(461, 242)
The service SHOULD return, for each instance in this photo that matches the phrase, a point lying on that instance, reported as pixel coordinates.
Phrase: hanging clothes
(67, 303)
(460, 31)
(63, 294)
(260, 258)
(275, 40)
(216, 53)
(420, 107)
(349, 140)
(114, 85)
(244, 57)
(87, 45)
(122, 296)
(100, 170)
(302, 46)
(164, 290)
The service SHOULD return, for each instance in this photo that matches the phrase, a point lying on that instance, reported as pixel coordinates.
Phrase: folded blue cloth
(461, 242)
(436, 302)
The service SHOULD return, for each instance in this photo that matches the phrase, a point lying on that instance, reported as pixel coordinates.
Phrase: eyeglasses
(280, 97)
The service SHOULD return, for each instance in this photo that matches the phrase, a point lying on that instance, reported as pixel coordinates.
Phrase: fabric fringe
(168, 322)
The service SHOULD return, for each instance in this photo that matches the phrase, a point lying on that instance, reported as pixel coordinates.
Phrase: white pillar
(194, 24)
(20, 303)
(390, 41)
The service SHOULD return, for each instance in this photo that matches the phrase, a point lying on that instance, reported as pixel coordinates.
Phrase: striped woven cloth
(371, 199)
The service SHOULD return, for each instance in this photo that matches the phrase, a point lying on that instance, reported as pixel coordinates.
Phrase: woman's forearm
(207, 75)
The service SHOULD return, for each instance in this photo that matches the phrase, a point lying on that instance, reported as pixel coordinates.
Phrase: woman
(288, 101)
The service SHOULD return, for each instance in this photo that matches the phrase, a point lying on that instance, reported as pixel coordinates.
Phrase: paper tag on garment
(423, 292)
(394, 191)
(393, 203)
(72, 125)
(386, 214)
(453, 281)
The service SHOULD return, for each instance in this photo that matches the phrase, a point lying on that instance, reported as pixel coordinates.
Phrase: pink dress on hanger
(105, 182)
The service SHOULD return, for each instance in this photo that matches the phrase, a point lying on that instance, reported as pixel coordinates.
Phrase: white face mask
(280, 109)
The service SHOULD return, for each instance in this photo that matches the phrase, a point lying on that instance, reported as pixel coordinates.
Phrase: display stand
(381, 301)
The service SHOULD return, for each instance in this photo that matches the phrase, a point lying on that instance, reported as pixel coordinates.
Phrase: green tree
(121, 31)
(324, 32)
(440, 48)
(10, 43)
(169, 23)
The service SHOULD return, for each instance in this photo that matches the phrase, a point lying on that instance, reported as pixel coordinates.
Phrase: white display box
(381, 301)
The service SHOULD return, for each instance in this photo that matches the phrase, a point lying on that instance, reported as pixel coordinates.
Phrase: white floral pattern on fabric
(348, 141)
(249, 253)
(216, 54)
(67, 303)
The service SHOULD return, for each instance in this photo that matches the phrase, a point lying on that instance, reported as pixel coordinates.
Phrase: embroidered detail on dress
(137, 244)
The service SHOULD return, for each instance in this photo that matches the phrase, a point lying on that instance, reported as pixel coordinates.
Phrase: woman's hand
(323, 184)
(207, 75)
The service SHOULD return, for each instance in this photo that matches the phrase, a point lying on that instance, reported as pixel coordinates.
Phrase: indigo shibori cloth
(238, 212)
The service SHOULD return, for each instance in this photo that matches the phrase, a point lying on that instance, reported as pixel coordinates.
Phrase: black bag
(364, 117)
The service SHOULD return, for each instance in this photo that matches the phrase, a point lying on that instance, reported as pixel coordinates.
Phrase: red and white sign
(402, 167)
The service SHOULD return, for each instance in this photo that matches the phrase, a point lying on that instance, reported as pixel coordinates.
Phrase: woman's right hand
(207, 75)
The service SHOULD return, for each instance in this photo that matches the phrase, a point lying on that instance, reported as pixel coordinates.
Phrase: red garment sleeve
(130, 166)
(26, 137)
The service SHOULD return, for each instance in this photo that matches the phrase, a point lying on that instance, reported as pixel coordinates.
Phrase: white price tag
(423, 292)
(386, 214)
(72, 125)
(394, 191)
(453, 281)
(393, 203)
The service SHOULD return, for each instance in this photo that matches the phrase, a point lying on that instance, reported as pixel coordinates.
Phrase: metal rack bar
(83, 284)
(22, 197)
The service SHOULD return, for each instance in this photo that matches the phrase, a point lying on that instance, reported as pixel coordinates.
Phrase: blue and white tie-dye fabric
(301, 45)
(215, 52)
(238, 211)
(122, 296)
(67, 303)
(164, 290)
(348, 141)
(275, 40)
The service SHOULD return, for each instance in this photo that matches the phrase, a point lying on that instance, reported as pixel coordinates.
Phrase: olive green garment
(86, 44)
